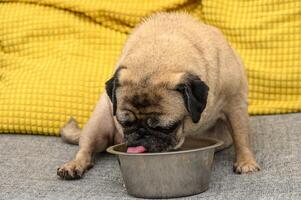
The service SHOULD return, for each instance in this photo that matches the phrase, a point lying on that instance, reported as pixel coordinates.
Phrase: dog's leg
(96, 135)
(239, 121)
(219, 131)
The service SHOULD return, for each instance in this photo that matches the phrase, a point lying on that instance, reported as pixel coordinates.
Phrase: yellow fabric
(55, 55)
(267, 35)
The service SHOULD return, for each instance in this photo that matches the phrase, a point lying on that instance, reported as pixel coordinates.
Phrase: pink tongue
(138, 149)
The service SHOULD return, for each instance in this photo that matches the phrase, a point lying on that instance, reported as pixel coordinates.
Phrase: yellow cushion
(55, 55)
(267, 35)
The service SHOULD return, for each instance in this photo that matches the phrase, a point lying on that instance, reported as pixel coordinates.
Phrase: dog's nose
(142, 131)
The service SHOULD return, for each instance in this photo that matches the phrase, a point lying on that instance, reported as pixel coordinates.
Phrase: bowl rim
(216, 141)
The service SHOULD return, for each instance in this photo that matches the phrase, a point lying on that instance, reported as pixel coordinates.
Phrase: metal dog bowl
(170, 174)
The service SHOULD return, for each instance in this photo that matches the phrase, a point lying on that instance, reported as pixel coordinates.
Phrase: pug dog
(176, 77)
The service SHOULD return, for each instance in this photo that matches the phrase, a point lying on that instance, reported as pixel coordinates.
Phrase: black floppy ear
(195, 93)
(111, 91)
(111, 86)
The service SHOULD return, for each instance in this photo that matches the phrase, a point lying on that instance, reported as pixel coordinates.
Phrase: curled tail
(70, 133)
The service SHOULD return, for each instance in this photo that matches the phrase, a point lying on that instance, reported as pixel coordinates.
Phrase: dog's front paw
(70, 170)
(246, 166)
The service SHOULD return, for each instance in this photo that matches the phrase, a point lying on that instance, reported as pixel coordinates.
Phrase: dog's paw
(246, 166)
(70, 170)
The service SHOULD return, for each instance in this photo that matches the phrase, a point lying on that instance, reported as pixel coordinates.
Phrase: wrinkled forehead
(144, 98)
(149, 102)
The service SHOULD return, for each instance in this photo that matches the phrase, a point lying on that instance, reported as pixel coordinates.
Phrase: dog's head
(152, 108)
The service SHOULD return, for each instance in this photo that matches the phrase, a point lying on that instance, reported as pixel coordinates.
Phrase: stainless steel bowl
(170, 174)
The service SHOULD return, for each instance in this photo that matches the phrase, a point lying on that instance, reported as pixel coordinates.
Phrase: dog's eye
(127, 123)
(152, 122)
(126, 118)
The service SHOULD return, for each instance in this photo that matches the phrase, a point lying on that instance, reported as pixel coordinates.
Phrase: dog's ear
(111, 86)
(195, 93)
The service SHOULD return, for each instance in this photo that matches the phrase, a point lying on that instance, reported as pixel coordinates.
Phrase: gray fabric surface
(28, 167)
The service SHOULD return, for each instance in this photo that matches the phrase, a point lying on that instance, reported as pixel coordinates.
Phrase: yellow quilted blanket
(55, 55)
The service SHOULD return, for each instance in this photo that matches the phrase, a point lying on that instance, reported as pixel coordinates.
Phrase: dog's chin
(156, 145)
(152, 144)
